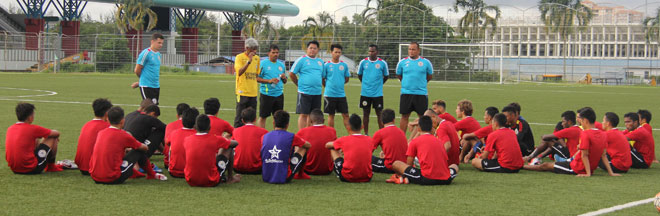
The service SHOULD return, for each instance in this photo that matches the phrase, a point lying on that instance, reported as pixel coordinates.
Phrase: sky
(341, 8)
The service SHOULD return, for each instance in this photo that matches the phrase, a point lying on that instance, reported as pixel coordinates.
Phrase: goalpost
(463, 62)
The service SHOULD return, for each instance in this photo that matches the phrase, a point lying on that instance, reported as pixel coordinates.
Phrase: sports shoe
(156, 169)
(67, 164)
(401, 180)
(535, 161)
(158, 176)
(392, 178)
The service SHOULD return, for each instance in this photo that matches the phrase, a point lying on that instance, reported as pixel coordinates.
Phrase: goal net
(462, 62)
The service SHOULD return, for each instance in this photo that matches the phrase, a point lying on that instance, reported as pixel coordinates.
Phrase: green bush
(114, 54)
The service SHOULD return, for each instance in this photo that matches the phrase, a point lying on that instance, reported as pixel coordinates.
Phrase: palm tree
(559, 16)
(130, 16)
(652, 27)
(369, 11)
(476, 19)
(259, 25)
(320, 28)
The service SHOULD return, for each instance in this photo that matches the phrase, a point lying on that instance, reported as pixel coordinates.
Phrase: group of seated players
(206, 150)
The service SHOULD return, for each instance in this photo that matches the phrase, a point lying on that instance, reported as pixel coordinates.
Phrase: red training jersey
(219, 126)
(448, 117)
(648, 128)
(571, 136)
(644, 144)
(598, 125)
(201, 152)
(393, 142)
(319, 160)
(618, 149)
(177, 151)
(357, 150)
(504, 142)
(595, 141)
(171, 127)
(466, 126)
(447, 131)
(432, 162)
(247, 156)
(108, 156)
(86, 142)
(483, 132)
(20, 146)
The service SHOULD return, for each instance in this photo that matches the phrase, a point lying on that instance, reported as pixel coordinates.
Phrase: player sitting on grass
(645, 121)
(26, 151)
(473, 143)
(247, 159)
(446, 131)
(353, 163)
(219, 127)
(562, 144)
(208, 157)
(521, 129)
(467, 124)
(319, 161)
(175, 142)
(643, 147)
(618, 148)
(89, 132)
(412, 126)
(147, 129)
(282, 153)
(503, 146)
(171, 127)
(433, 163)
(143, 105)
(393, 144)
(590, 151)
(597, 124)
(110, 164)
(440, 107)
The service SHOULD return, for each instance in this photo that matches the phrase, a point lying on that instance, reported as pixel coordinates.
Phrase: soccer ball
(656, 202)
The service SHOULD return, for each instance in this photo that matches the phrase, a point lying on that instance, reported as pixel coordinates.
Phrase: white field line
(618, 207)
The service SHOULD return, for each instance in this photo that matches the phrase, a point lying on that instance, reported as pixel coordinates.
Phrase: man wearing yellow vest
(247, 72)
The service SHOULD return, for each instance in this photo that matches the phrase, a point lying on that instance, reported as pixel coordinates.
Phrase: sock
(52, 167)
(149, 170)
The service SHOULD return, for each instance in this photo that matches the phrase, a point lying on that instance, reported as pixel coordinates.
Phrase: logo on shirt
(274, 155)
(42, 153)
(268, 68)
(280, 68)
(377, 66)
(341, 67)
(320, 63)
(420, 63)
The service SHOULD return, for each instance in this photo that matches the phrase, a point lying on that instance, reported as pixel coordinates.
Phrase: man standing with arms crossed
(414, 72)
(306, 73)
(147, 68)
(373, 73)
(247, 69)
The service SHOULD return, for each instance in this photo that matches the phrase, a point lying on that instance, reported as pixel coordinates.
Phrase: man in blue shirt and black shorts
(271, 87)
(147, 68)
(306, 73)
(414, 72)
(373, 73)
(335, 75)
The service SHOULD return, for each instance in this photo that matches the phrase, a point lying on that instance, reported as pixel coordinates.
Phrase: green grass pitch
(471, 192)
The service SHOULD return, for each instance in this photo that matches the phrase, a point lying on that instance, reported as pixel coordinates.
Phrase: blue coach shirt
(335, 77)
(270, 70)
(151, 72)
(309, 72)
(372, 76)
(276, 150)
(414, 73)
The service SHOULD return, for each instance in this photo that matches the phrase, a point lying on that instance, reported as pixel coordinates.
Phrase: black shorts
(221, 163)
(378, 165)
(638, 161)
(494, 166)
(243, 103)
(332, 105)
(561, 150)
(415, 176)
(339, 165)
(41, 153)
(268, 105)
(417, 103)
(151, 93)
(306, 103)
(368, 102)
(614, 169)
(564, 167)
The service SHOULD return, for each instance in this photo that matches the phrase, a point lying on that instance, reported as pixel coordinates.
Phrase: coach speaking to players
(414, 72)
(247, 70)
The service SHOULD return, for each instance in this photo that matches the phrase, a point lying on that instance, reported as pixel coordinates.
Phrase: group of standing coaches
(310, 73)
